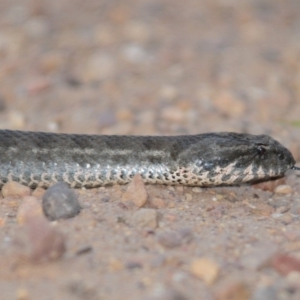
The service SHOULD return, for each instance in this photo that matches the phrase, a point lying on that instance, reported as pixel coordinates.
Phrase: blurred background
(151, 66)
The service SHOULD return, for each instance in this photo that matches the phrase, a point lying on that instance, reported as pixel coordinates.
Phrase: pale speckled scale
(41, 159)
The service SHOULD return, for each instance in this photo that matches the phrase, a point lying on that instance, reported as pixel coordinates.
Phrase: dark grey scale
(199, 163)
(77, 184)
(102, 176)
(60, 178)
(255, 170)
(166, 175)
(196, 171)
(80, 178)
(212, 173)
(223, 163)
(226, 177)
(144, 173)
(211, 180)
(208, 166)
(159, 176)
(92, 177)
(46, 177)
(240, 178)
(26, 174)
(113, 174)
(99, 177)
(150, 175)
(14, 177)
(123, 175)
(36, 177)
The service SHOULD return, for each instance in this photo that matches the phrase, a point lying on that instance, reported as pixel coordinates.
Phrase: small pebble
(283, 189)
(39, 192)
(12, 202)
(22, 294)
(172, 239)
(293, 281)
(233, 289)
(205, 269)
(282, 209)
(257, 257)
(135, 53)
(136, 31)
(165, 292)
(179, 188)
(16, 119)
(50, 62)
(173, 114)
(29, 208)
(188, 197)
(99, 66)
(292, 235)
(262, 209)
(37, 86)
(60, 202)
(133, 265)
(295, 209)
(124, 115)
(2, 222)
(157, 203)
(37, 27)
(115, 265)
(43, 243)
(228, 104)
(285, 264)
(264, 293)
(169, 92)
(286, 219)
(15, 189)
(106, 118)
(136, 192)
(269, 185)
(105, 199)
(197, 190)
(145, 218)
(84, 250)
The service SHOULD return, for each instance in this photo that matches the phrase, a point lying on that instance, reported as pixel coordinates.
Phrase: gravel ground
(153, 67)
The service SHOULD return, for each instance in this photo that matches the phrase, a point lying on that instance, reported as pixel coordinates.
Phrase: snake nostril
(281, 156)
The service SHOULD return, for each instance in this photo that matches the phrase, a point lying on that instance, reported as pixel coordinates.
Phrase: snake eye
(281, 156)
(261, 151)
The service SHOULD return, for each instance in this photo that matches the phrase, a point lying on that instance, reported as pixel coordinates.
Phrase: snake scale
(210, 159)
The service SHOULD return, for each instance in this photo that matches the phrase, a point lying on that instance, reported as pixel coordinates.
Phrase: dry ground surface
(156, 67)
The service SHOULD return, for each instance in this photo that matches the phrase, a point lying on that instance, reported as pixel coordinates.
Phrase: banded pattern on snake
(41, 159)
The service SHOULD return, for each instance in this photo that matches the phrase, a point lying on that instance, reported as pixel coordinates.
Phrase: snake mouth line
(295, 168)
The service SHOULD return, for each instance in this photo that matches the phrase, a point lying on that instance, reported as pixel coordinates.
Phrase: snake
(40, 159)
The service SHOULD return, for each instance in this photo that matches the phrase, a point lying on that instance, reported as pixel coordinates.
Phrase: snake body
(41, 159)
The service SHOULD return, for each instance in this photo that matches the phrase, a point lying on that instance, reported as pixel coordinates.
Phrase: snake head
(271, 159)
(231, 158)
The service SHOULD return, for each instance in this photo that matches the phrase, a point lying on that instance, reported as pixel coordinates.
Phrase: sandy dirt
(156, 67)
